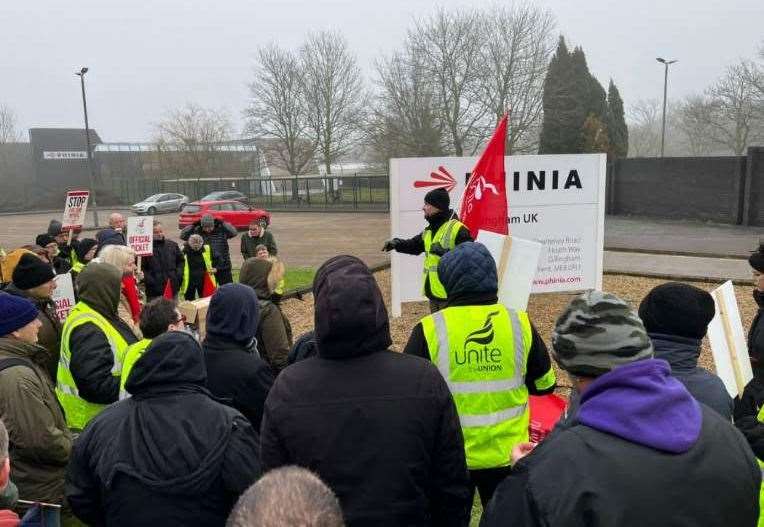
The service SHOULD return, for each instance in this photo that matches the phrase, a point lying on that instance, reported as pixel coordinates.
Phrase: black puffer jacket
(235, 372)
(169, 455)
(380, 428)
(165, 264)
(217, 240)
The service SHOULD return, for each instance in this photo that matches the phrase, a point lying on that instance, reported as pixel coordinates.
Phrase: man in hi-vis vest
(443, 232)
(491, 357)
(93, 345)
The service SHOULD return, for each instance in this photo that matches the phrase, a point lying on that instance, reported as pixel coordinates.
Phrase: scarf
(130, 290)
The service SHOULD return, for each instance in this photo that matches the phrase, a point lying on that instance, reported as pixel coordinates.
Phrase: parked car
(166, 202)
(234, 212)
(219, 195)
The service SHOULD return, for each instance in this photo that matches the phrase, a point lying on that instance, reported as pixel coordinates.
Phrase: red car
(234, 212)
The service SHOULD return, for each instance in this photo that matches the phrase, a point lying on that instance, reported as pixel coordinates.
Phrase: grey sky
(148, 56)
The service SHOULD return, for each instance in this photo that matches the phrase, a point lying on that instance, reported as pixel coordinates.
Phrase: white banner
(555, 200)
(140, 235)
(728, 344)
(75, 208)
(63, 296)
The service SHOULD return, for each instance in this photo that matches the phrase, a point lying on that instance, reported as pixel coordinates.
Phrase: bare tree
(334, 94)
(404, 121)
(517, 43)
(189, 139)
(278, 109)
(450, 45)
(644, 128)
(693, 119)
(736, 113)
(9, 131)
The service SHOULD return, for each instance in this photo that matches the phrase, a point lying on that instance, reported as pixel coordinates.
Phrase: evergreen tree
(571, 95)
(618, 132)
(561, 124)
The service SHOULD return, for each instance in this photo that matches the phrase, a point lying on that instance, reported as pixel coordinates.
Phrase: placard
(517, 274)
(555, 200)
(75, 208)
(140, 235)
(728, 344)
(63, 295)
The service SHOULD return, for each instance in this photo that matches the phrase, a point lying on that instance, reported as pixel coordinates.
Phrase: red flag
(168, 294)
(208, 288)
(484, 202)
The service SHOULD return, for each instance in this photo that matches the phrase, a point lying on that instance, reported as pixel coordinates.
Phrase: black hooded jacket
(235, 372)
(170, 455)
(379, 427)
(217, 240)
(99, 286)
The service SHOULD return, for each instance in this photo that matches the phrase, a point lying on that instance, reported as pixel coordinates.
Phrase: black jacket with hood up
(170, 455)
(235, 372)
(379, 427)
(92, 361)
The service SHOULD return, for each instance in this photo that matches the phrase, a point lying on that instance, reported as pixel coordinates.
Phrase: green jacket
(248, 244)
(40, 442)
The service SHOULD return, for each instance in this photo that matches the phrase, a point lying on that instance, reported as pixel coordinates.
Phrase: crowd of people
(124, 415)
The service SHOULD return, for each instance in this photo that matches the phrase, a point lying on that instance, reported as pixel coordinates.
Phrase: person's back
(235, 372)
(379, 427)
(169, 455)
(676, 317)
(639, 450)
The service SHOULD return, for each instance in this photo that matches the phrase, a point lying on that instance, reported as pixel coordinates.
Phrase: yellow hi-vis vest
(446, 237)
(760, 418)
(207, 257)
(482, 353)
(134, 352)
(77, 266)
(79, 411)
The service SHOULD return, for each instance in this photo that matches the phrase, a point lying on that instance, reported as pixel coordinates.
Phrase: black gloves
(390, 245)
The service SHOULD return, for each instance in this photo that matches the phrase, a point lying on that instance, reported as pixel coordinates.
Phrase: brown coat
(274, 332)
(49, 336)
(40, 442)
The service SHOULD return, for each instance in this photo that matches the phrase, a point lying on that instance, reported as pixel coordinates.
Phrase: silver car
(158, 203)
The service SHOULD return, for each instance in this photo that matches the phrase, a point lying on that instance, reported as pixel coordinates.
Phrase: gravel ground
(543, 309)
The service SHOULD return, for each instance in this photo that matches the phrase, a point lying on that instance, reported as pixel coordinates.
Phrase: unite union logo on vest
(477, 354)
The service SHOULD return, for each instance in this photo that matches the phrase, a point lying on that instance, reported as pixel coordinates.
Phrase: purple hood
(642, 403)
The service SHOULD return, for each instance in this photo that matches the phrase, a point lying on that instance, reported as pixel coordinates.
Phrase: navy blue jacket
(682, 355)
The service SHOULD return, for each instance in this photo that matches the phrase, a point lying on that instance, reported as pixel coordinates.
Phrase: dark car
(220, 195)
(234, 212)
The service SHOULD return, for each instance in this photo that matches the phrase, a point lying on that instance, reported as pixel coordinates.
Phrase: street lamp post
(666, 63)
(91, 168)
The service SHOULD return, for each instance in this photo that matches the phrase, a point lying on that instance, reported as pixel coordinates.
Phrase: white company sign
(556, 200)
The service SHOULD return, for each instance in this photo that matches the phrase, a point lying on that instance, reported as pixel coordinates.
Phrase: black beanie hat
(677, 309)
(44, 239)
(31, 272)
(438, 198)
(83, 247)
(757, 258)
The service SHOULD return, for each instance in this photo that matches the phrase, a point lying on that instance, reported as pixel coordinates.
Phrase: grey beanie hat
(598, 332)
(208, 221)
